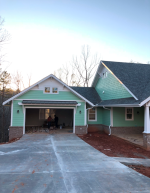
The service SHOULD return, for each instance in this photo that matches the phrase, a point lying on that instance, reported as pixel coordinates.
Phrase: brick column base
(146, 141)
(15, 132)
(81, 130)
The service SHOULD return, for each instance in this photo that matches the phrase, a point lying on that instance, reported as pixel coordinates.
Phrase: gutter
(121, 105)
(110, 120)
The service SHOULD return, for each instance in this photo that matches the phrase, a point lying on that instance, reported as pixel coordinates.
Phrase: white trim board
(46, 100)
(50, 108)
(11, 121)
(120, 81)
(50, 76)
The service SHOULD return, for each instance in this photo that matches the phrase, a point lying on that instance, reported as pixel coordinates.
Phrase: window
(45, 113)
(55, 90)
(129, 116)
(92, 116)
(47, 89)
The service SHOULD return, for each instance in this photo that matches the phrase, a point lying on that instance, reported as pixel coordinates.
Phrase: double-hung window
(129, 115)
(92, 114)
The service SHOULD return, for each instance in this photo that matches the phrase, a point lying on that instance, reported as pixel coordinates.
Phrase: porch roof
(43, 102)
(120, 102)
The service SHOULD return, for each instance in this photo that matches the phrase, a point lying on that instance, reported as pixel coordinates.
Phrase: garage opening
(36, 120)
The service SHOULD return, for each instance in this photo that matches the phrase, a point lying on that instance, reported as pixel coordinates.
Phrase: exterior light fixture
(80, 112)
(17, 111)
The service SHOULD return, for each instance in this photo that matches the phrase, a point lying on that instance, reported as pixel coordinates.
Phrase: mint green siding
(106, 117)
(17, 117)
(119, 117)
(99, 117)
(112, 88)
(38, 94)
(79, 118)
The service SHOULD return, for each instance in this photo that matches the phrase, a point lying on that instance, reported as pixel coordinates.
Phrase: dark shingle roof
(136, 77)
(89, 93)
(49, 102)
(123, 101)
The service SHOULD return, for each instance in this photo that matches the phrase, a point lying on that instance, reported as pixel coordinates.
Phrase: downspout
(110, 120)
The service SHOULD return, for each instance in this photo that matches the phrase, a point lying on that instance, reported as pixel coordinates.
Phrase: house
(117, 101)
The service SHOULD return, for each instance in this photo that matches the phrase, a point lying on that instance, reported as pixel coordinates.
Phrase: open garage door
(36, 119)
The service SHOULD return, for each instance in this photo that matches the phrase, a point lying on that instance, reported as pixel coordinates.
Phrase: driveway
(63, 163)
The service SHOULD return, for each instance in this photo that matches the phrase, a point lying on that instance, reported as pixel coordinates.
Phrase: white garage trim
(28, 107)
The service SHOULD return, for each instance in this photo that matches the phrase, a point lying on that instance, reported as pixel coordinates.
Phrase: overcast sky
(46, 34)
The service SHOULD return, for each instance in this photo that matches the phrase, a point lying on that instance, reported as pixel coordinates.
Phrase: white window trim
(51, 90)
(132, 114)
(46, 92)
(95, 115)
(57, 90)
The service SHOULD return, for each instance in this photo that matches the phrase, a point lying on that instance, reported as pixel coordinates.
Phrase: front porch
(133, 138)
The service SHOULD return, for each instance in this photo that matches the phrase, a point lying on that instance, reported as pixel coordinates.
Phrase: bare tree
(18, 80)
(4, 37)
(80, 71)
(84, 66)
(4, 91)
(29, 79)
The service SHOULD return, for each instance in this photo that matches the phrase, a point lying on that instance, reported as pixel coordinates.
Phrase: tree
(4, 91)
(29, 79)
(18, 81)
(82, 68)
(4, 37)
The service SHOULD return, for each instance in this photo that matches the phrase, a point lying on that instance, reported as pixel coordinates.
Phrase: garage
(36, 119)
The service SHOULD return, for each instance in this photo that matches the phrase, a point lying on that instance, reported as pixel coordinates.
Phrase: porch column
(146, 133)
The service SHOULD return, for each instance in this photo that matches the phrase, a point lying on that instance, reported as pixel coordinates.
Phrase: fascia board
(120, 105)
(27, 89)
(73, 91)
(96, 74)
(120, 82)
(145, 101)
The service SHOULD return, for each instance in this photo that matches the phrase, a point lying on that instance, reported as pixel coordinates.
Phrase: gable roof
(49, 76)
(134, 76)
(89, 93)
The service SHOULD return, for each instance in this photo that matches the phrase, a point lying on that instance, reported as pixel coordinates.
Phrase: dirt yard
(115, 147)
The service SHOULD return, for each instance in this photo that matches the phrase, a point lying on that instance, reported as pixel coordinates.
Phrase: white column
(24, 120)
(146, 120)
(74, 120)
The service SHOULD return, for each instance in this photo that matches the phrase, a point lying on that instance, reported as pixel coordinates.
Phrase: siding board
(112, 88)
(38, 94)
(119, 117)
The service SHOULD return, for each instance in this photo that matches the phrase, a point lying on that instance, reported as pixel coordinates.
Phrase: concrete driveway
(63, 163)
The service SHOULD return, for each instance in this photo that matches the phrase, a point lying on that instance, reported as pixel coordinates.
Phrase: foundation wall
(81, 130)
(146, 141)
(115, 130)
(15, 132)
(127, 130)
(95, 128)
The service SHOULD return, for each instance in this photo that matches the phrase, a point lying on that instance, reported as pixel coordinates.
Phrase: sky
(44, 35)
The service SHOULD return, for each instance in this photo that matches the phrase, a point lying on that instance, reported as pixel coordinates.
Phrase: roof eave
(120, 105)
(51, 75)
(96, 74)
(145, 101)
